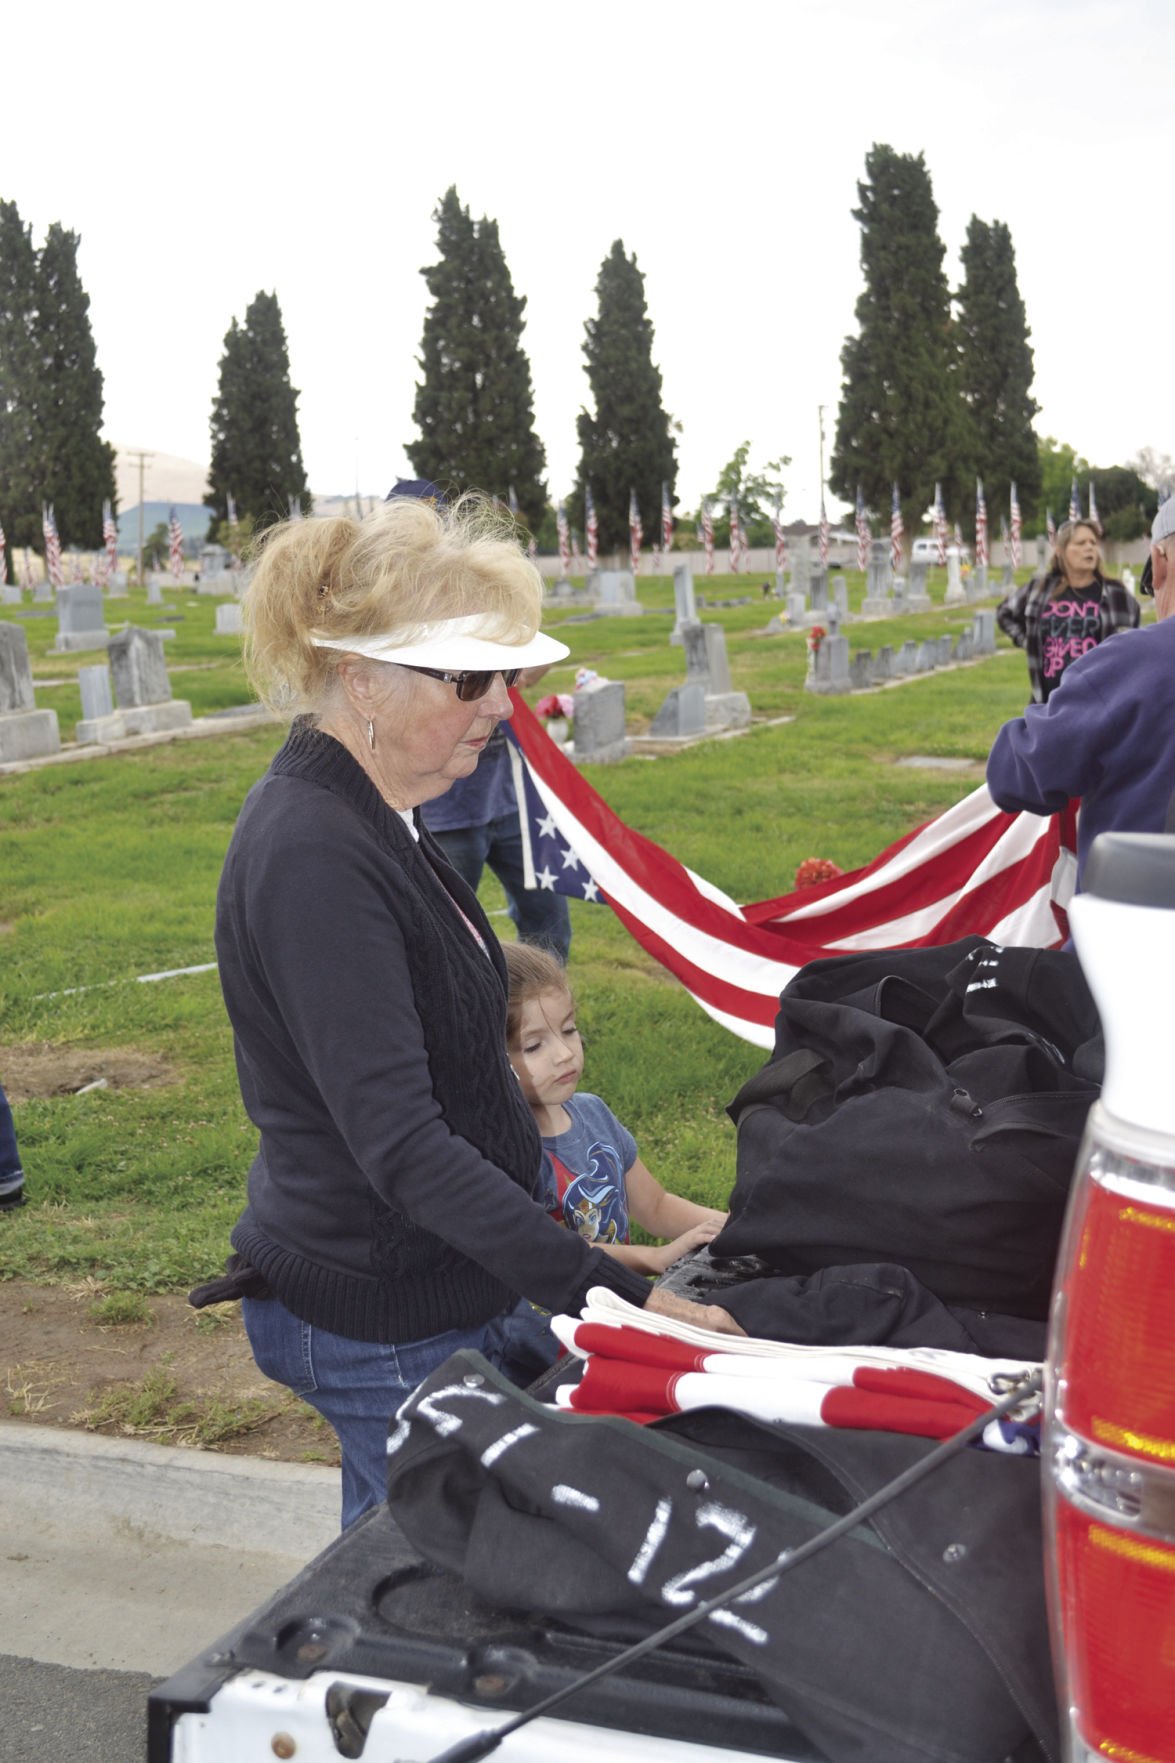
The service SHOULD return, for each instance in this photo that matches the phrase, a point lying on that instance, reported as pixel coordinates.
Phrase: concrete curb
(168, 1492)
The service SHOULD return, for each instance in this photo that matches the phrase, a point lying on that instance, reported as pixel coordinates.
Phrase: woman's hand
(699, 1315)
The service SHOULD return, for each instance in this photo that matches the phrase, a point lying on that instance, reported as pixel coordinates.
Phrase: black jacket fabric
(918, 1638)
(921, 1107)
(390, 1198)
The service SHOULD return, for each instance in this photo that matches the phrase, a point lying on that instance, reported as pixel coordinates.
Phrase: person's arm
(1010, 615)
(1053, 753)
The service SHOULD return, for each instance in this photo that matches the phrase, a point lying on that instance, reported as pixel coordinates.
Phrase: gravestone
(684, 604)
(878, 603)
(599, 722)
(42, 591)
(964, 647)
(945, 649)
(142, 690)
(616, 594)
(780, 584)
(9, 595)
(899, 593)
(917, 597)
(956, 593)
(797, 608)
(883, 668)
(25, 731)
(905, 661)
(861, 670)
(1009, 578)
(984, 629)
(926, 656)
(228, 619)
(100, 721)
(214, 562)
(831, 672)
(801, 566)
(706, 665)
(977, 583)
(682, 714)
(154, 592)
(80, 618)
(840, 598)
(818, 594)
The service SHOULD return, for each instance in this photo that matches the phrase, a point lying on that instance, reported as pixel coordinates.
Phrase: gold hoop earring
(371, 734)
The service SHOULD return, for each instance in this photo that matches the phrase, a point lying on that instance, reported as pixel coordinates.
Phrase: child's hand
(665, 1256)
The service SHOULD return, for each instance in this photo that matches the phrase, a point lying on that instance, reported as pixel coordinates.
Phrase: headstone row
(834, 671)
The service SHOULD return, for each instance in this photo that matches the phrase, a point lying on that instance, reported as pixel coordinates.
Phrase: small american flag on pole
(591, 528)
(635, 533)
(736, 539)
(52, 547)
(980, 526)
(1093, 505)
(1074, 501)
(896, 530)
(175, 546)
(666, 520)
(109, 539)
(940, 528)
(780, 536)
(1050, 527)
(1015, 533)
(708, 534)
(823, 533)
(864, 536)
(564, 539)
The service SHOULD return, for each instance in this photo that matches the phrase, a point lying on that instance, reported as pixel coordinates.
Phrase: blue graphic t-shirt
(584, 1170)
(1070, 624)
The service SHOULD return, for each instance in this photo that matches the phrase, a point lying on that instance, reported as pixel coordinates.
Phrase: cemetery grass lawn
(111, 868)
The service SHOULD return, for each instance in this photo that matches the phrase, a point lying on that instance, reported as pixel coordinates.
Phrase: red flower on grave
(816, 636)
(816, 869)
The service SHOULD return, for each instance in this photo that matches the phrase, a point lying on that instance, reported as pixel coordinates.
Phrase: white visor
(453, 645)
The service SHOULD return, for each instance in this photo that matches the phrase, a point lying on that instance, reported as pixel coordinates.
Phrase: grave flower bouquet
(555, 709)
(816, 636)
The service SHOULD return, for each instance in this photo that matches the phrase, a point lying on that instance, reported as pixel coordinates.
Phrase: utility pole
(140, 459)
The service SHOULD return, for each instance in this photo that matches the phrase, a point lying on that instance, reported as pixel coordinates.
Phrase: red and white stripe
(53, 569)
(980, 526)
(1015, 539)
(824, 535)
(973, 871)
(736, 540)
(635, 534)
(708, 534)
(564, 540)
(175, 546)
(940, 528)
(780, 538)
(109, 539)
(592, 530)
(666, 520)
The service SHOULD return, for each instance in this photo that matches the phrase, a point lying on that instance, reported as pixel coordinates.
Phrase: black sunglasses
(470, 686)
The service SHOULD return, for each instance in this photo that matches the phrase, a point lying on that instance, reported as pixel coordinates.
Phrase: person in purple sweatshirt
(1106, 735)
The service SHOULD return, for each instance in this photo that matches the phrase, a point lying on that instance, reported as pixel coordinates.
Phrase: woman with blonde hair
(391, 1214)
(1069, 610)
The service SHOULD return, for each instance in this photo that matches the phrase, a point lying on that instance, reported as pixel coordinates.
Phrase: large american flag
(940, 528)
(1074, 501)
(591, 528)
(564, 539)
(109, 539)
(175, 544)
(736, 539)
(864, 536)
(972, 871)
(635, 533)
(780, 535)
(980, 525)
(708, 534)
(666, 520)
(896, 530)
(823, 534)
(52, 547)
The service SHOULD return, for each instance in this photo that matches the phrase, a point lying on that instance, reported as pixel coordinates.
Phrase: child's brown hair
(531, 970)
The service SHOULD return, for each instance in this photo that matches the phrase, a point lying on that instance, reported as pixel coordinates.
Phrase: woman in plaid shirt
(1070, 609)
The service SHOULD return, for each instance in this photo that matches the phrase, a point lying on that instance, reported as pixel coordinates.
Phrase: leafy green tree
(256, 449)
(475, 403)
(20, 488)
(996, 368)
(77, 465)
(1126, 503)
(901, 418)
(756, 493)
(157, 548)
(1059, 465)
(627, 445)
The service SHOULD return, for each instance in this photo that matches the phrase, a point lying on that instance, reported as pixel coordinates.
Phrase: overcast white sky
(206, 152)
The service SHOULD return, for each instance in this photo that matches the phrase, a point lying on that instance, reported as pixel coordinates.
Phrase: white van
(926, 551)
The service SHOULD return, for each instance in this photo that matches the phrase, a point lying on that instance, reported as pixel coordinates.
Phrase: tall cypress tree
(20, 487)
(901, 418)
(475, 402)
(996, 368)
(77, 465)
(256, 449)
(627, 444)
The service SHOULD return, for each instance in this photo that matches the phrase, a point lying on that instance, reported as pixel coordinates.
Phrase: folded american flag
(643, 1367)
(974, 871)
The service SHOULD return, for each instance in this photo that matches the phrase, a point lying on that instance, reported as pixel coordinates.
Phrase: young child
(595, 1179)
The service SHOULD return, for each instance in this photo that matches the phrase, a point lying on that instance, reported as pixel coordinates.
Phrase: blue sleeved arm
(1052, 754)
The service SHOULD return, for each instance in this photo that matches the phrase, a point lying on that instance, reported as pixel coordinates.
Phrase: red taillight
(1116, 1598)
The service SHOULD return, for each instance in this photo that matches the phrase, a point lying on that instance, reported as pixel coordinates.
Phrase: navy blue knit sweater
(390, 1198)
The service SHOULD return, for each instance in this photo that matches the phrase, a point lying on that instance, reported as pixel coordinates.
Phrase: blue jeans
(11, 1173)
(540, 915)
(356, 1385)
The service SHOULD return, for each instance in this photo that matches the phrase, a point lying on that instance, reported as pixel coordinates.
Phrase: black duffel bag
(922, 1107)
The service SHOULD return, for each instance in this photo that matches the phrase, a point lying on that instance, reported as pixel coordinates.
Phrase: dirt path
(172, 1374)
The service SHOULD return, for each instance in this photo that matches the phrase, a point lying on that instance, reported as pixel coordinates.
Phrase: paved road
(120, 1562)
